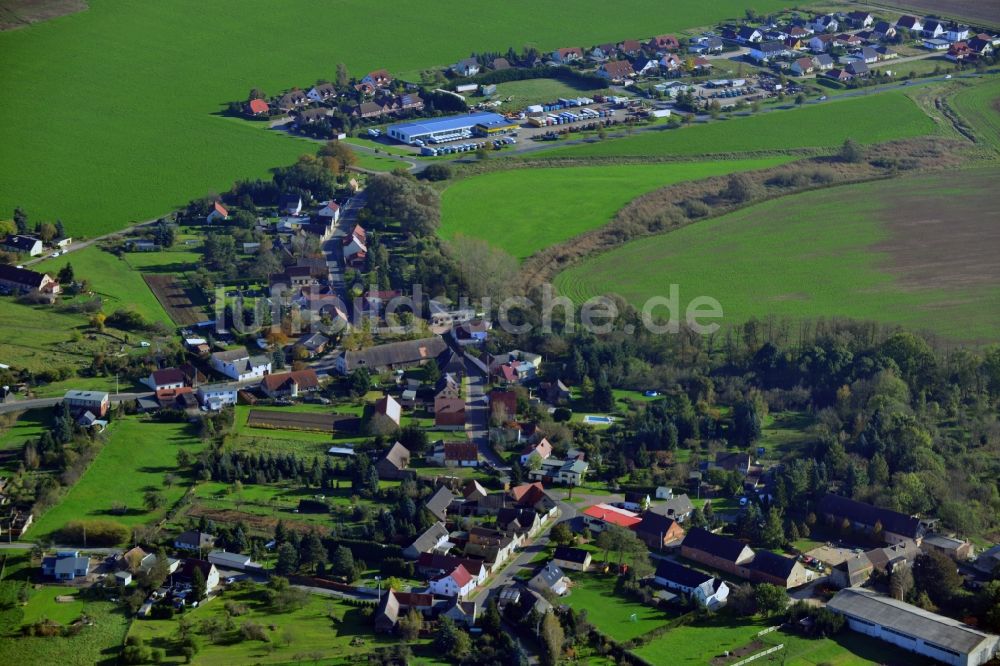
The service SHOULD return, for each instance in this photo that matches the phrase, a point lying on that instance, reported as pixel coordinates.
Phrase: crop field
(823, 125)
(136, 458)
(111, 278)
(971, 10)
(915, 251)
(176, 299)
(550, 206)
(979, 106)
(300, 421)
(150, 136)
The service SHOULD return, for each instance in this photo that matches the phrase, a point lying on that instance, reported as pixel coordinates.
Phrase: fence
(759, 655)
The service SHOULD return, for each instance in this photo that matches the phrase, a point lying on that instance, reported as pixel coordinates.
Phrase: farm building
(451, 128)
(942, 638)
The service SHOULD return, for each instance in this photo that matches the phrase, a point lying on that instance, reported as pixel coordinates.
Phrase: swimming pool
(598, 420)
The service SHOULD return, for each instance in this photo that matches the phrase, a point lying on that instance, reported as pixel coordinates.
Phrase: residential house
(732, 462)
(208, 572)
(914, 629)
(630, 47)
(980, 46)
(911, 23)
(884, 30)
(636, 500)
(439, 502)
(388, 408)
(322, 92)
(392, 356)
(515, 366)
(707, 590)
(616, 71)
(667, 43)
(392, 466)
(533, 495)
(66, 565)
(671, 62)
(472, 332)
(433, 540)
(657, 531)
(749, 35)
(852, 572)
(24, 281)
(367, 109)
(765, 52)
(894, 527)
(803, 66)
(959, 550)
(550, 579)
(957, 33)
(988, 561)
(449, 413)
(825, 23)
(499, 64)
(575, 559)
(565, 472)
(237, 561)
(292, 100)
(541, 450)
(860, 19)
(599, 516)
(823, 62)
(258, 107)
(306, 116)
(19, 244)
(936, 44)
(433, 565)
(518, 521)
(933, 29)
(329, 210)
(379, 78)
(786, 572)
(868, 55)
(556, 393)
(214, 397)
(315, 343)
(455, 454)
(194, 541)
(821, 43)
(838, 75)
(387, 613)
(848, 40)
(718, 552)
(290, 204)
(466, 67)
(290, 384)
(95, 402)
(493, 546)
(167, 378)
(239, 365)
(566, 55)
(857, 68)
(461, 612)
(959, 51)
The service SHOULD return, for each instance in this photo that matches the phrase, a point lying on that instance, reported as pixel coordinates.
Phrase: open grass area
(865, 119)
(784, 433)
(611, 614)
(150, 136)
(523, 211)
(97, 643)
(979, 106)
(116, 281)
(135, 458)
(699, 643)
(911, 251)
(516, 95)
(15, 430)
(324, 626)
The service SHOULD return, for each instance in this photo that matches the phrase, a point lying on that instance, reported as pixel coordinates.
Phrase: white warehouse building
(909, 627)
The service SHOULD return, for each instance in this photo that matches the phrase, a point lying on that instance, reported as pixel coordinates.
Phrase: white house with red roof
(167, 378)
(542, 450)
(459, 583)
(258, 107)
(218, 212)
(356, 246)
(330, 210)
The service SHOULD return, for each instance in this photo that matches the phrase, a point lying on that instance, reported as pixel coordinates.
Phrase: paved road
(38, 403)
(477, 427)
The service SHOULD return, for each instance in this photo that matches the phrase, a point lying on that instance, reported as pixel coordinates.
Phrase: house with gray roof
(433, 540)
(392, 356)
(439, 502)
(550, 579)
(66, 565)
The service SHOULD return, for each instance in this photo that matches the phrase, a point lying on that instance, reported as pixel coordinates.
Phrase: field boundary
(174, 299)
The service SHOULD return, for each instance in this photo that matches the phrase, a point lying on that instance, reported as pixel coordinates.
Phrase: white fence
(759, 655)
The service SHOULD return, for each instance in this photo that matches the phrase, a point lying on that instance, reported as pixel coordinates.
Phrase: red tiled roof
(461, 451)
(220, 209)
(258, 106)
(461, 576)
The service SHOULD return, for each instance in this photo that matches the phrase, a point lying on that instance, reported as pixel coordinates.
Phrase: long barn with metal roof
(450, 128)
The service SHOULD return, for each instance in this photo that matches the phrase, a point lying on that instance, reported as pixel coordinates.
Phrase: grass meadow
(979, 106)
(825, 125)
(537, 91)
(906, 251)
(110, 121)
(135, 458)
(523, 211)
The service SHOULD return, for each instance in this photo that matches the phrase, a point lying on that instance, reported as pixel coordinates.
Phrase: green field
(611, 614)
(136, 458)
(523, 211)
(908, 251)
(326, 626)
(117, 280)
(130, 132)
(979, 105)
(536, 91)
(868, 119)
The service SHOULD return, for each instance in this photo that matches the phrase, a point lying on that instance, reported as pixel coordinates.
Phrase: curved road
(40, 403)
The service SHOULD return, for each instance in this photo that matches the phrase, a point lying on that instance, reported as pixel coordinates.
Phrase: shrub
(99, 533)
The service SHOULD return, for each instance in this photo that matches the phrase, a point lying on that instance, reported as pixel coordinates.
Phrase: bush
(252, 631)
(99, 533)
(436, 172)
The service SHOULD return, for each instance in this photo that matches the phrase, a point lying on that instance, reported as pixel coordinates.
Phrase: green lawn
(379, 162)
(43, 605)
(865, 119)
(978, 106)
(117, 281)
(698, 644)
(611, 614)
(537, 91)
(97, 643)
(784, 433)
(325, 626)
(136, 457)
(523, 211)
(844, 251)
(149, 137)
(14, 433)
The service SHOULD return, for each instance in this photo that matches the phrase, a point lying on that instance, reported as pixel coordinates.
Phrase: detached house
(66, 565)
(449, 413)
(749, 35)
(665, 43)
(658, 531)
(566, 55)
(393, 464)
(290, 384)
(24, 281)
(433, 540)
(575, 559)
(827, 23)
(168, 378)
(616, 70)
(28, 245)
(707, 590)
(765, 52)
(439, 502)
(291, 100)
(860, 19)
(329, 210)
(803, 66)
(911, 23)
(321, 92)
(239, 365)
(541, 450)
(566, 472)
(718, 552)
(467, 67)
(786, 572)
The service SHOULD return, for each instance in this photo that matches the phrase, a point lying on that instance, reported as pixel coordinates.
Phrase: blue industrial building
(451, 128)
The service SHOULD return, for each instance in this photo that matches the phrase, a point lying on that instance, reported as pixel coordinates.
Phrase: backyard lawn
(136, 457)
(611, 614)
